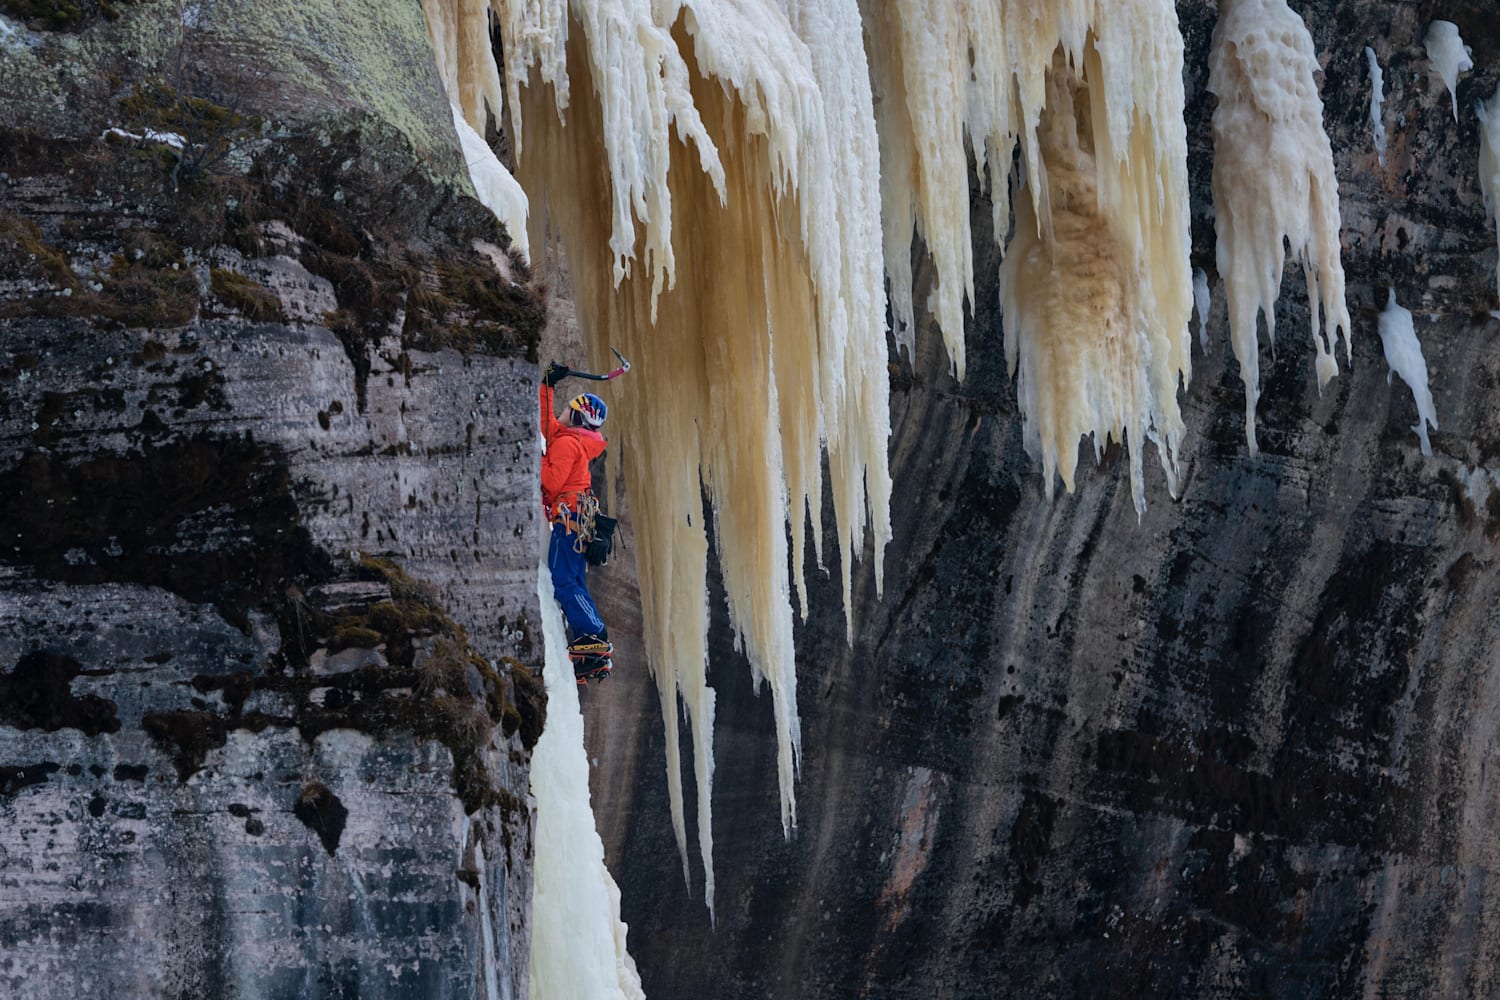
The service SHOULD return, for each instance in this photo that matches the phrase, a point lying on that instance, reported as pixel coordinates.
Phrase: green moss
(322, 812)
(435, 686)
(211, 131)
(510, 720)
(354, 637)
(148, 284)
(325, 227)
(156, 104)
(341, 323)
(189, 736)
(247, 296)
(62, 15)
(473, 308)
(23, 252)
(53, 15)
(459, 696)
(526, 708)
(426, 309)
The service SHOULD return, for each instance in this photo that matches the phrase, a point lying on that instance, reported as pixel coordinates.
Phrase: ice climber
(568, 497)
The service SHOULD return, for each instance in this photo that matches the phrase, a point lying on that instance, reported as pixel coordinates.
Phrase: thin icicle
(1449, 57)
(1377, 99)
(1201, 303)
(1403, 352)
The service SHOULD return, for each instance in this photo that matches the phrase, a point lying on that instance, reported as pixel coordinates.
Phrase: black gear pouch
(603, 543)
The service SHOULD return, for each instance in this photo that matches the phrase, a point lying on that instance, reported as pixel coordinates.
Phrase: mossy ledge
(369, 649)
(63, 15)
(364, 646)
(408, 258)
(246, 296)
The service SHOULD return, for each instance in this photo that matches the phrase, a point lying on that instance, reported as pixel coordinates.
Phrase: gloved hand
(555, 373)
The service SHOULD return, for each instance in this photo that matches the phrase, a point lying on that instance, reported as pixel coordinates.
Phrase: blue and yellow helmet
(590, 409)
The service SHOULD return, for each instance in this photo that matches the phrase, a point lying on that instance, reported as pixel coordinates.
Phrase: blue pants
(570, 585)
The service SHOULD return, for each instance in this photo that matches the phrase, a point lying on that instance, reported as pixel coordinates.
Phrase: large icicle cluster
(1273, 180)
(704, 167)
(1096, 289)
(723, 261)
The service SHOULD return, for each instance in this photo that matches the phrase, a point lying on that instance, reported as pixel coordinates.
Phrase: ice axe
(616, 373)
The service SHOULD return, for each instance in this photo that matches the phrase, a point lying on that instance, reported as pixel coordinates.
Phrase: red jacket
(565, 466)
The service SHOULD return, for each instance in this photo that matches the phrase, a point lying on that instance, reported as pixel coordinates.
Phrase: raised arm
(550, 424)
(555, 373)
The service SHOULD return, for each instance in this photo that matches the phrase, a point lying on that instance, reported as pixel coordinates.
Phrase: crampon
(590, 668)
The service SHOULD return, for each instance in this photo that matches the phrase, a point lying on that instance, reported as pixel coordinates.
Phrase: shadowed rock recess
(268, 537)
(1240, 747)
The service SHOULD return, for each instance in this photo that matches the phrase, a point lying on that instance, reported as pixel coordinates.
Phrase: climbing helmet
(590, 409)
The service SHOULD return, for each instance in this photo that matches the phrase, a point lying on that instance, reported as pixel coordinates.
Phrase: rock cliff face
(1238, 747)
(268, 537)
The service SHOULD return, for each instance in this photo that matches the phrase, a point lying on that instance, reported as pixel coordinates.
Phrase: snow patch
(1403, 352)
(151, 135)
(1449, 56)
(1377, 98)
(14, 35)
(1479, 483)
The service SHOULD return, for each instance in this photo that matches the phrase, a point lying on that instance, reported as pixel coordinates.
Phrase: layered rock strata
(268, 536)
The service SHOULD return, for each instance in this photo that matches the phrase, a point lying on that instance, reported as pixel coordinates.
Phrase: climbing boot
(591, 668)
(590, 645)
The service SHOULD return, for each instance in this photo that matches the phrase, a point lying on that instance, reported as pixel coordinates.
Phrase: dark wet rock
(13, 778)
(37, 694)
(321, 812)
